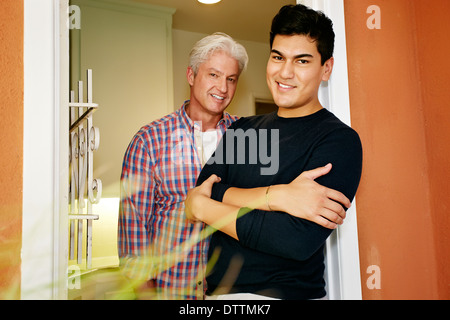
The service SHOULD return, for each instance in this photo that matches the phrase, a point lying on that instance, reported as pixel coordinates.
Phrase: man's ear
(328, 68)
(190, 76)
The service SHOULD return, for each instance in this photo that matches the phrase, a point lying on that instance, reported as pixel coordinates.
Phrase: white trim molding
(45, 164)
(343, 271)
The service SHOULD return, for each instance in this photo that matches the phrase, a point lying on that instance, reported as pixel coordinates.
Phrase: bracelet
(267, 198)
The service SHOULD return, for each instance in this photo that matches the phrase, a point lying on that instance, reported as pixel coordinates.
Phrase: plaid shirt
(155, 240)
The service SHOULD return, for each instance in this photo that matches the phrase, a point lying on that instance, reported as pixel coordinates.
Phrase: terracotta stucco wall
(433, 29)
(399, 106)
(11, 136)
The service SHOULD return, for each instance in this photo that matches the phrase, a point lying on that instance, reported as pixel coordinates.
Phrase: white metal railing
(84, 190)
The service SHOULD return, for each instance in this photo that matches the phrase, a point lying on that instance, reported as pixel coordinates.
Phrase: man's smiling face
(214, 85)
(294, 74)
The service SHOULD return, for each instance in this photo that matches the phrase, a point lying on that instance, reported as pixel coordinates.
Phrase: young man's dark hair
(301, 20)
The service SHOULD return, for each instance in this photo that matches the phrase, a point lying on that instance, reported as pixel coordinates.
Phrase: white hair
(217, 42)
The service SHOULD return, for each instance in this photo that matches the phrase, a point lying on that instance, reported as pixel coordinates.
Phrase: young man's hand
(305, 198)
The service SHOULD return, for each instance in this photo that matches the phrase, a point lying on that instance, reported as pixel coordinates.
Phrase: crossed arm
(302, 198)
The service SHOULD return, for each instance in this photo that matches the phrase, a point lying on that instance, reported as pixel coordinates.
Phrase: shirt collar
(224, 122)
(188, 123)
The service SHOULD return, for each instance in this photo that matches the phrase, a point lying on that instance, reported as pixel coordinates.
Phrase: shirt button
(199, 283)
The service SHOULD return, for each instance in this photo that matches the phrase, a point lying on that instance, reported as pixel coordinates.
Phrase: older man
(158, 247)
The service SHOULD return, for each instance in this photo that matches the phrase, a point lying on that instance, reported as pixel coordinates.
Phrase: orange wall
(11, 136)
(433, 29)
(399, 109)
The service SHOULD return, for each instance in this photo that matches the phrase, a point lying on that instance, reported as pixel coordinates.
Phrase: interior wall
(11, 144)
(129, 49)
(398, 108)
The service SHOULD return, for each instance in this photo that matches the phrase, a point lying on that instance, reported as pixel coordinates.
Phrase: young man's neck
(296, 112)
(209, 121)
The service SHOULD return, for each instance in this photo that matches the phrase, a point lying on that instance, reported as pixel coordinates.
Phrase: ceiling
(241, 19)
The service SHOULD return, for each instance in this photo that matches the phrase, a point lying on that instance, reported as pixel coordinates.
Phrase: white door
(45, 163)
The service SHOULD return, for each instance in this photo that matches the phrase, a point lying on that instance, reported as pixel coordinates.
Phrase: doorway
(44, 257)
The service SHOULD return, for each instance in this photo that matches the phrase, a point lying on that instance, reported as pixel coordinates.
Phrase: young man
(158, 248)
(260, 249)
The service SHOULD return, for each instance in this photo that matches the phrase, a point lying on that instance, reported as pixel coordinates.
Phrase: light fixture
(209, 1)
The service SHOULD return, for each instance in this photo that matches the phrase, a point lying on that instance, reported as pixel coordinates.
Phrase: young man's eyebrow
(304, 55)
(299, 56)
(277, 52)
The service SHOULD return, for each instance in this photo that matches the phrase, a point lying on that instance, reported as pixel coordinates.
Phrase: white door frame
(45, 151)
(343, 272)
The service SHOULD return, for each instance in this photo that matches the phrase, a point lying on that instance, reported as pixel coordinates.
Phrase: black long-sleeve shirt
(277, 254)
